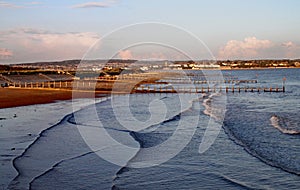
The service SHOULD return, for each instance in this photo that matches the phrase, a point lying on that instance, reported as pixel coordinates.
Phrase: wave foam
(285, 125)
(215, 106)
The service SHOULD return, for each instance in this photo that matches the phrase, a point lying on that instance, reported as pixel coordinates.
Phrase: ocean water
(174, 141)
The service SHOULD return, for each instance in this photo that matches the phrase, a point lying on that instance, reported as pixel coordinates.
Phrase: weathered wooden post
(283, 84)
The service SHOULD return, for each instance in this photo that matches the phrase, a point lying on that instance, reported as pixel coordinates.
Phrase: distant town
(116, 66)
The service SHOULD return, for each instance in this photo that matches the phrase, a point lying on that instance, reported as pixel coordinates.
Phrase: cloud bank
(102, 4)
(253, 48)
(248, 48)
(9, 5)
(126, 54)
(35, 44)
(6, 4)
(5, 53)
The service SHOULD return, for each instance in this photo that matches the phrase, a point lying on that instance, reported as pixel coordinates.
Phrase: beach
(14, 97)
(125, 141)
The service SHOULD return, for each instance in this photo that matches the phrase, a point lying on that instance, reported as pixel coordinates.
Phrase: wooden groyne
(207, 89)
(141, 88)
(141, 83)
(186, 81)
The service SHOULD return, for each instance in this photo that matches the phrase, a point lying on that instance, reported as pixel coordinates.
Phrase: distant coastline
(46, 82)
(115, 66)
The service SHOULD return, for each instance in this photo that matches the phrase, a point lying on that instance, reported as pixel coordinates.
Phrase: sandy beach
(14, 97)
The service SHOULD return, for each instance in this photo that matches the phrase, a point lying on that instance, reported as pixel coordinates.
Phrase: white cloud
(35, 44)
(9, 5)
(34, 3)
(126, 54)
(288, 44)
(291, 49)
(102, 4)
(249, 48)
(149, 55)
(6, 4)
(5, 53)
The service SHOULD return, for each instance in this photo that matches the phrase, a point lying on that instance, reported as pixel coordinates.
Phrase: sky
(49, 30)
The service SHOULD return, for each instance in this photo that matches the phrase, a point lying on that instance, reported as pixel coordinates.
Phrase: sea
(212, 140)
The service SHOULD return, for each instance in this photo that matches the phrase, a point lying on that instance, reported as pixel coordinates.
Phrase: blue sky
(231, 29)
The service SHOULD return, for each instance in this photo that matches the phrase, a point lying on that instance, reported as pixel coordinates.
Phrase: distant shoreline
(259, 68)
(235, 69)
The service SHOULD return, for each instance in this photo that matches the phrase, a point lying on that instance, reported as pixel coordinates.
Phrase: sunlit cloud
(253, 48)
(5, 53)
(291, 49)
(250, 47)
(125, 54)
(35, 44)
(6, 4)
(102, 4)
(155, 56)
(151, 55)
(34, 3)
(288, 44)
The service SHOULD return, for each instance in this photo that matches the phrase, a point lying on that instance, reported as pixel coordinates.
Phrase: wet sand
(14, 97)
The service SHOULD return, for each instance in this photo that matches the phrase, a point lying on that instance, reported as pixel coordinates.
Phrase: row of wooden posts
(55, 84)
(145, 89)
(160, 89)
(187, 81)
(48, 84)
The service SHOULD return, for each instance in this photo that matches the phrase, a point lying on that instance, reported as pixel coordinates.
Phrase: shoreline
(237, 69)
(259, 68)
